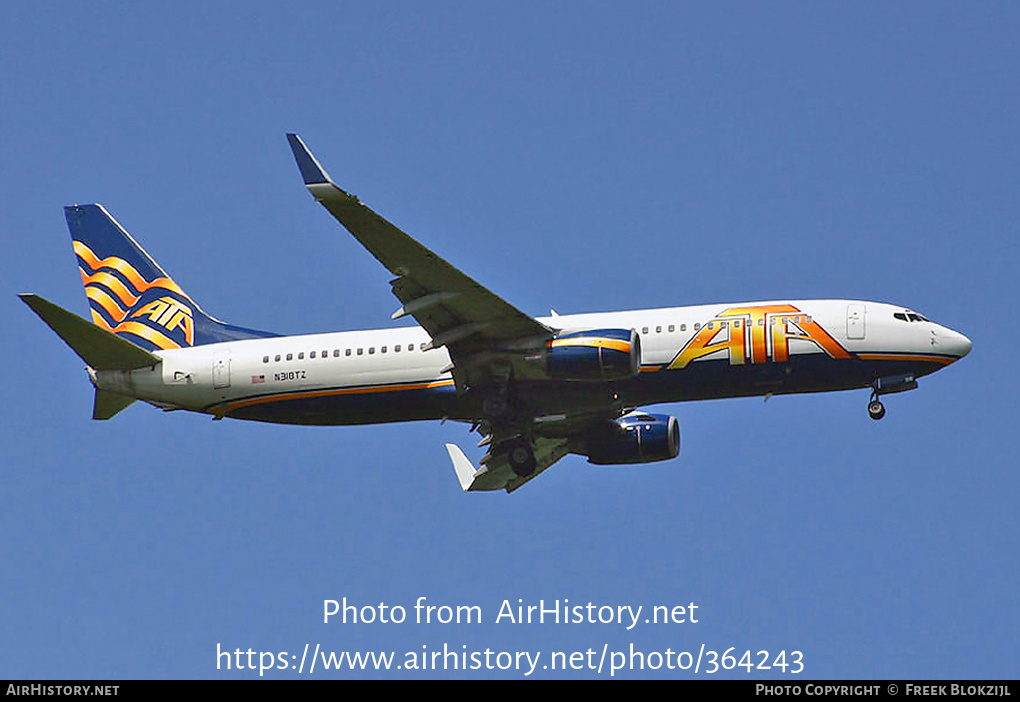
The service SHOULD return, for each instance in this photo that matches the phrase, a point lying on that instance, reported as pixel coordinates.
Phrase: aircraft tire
(876, 410)
(522, 458)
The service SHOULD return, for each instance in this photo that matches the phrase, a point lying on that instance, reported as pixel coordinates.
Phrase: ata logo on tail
(119, 303)
(170, 314)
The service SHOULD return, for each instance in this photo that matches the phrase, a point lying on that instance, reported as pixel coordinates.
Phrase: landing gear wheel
(876, 410)
(522, 458)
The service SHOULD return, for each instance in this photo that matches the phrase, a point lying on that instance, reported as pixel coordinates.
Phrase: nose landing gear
(876, 410)
(885, 386)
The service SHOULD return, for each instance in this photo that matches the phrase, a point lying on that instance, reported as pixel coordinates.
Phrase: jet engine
(594, 355)
(634, 438)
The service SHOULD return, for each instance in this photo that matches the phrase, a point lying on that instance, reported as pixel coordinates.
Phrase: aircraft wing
(456, 311)
(495, 472)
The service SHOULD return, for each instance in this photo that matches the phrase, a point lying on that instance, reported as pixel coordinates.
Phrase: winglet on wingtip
(311, 171)
(462, 467)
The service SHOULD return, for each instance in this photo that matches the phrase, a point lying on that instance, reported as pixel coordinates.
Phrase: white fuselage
(385, 371)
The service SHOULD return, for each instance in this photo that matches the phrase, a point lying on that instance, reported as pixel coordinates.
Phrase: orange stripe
(125, 269)
(614, 344)
(138, 330)
(342, 391)
(112, 282)
(106, 302)
(905, 357)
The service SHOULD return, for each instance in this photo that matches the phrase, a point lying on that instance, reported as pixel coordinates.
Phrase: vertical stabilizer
(129, 293)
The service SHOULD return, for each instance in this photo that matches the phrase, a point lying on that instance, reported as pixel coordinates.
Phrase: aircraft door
(221, 370)
(855, 321)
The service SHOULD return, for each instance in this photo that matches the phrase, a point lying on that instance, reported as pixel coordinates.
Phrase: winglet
(465, 471)
(311, 171)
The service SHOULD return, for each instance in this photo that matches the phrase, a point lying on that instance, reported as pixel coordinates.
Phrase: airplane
(535, 388)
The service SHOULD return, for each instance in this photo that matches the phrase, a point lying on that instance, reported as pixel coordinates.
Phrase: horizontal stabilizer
(100, 349)
(109, 403)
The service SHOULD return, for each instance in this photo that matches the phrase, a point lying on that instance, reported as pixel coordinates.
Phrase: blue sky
(584, 156)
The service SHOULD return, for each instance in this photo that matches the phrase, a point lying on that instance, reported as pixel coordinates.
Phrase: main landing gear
(521, 457)
(504, 417)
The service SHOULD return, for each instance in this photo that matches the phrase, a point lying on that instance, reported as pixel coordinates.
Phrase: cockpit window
(910, 317)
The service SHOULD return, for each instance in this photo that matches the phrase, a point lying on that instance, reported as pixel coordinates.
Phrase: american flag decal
(256, 379)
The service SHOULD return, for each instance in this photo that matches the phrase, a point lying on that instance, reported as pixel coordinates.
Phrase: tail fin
(131, 295)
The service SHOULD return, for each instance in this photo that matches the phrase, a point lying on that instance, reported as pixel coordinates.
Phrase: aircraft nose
(956, 343)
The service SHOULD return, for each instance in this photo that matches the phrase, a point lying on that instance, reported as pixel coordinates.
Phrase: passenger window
(672, 328)
(382, 350)
(396, 349)
(347, 352)
(311, 355)
(683, 327)
(658, 330)
(697, 326)
(644, 330)
(423, 346)
(371, 350)
(301, 356)
(361, 352)
(290, 357)
(336, 353)
(277, 359)
(265, 359)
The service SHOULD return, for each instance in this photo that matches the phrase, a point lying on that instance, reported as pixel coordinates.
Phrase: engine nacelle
(594, 354)
(635, 438)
